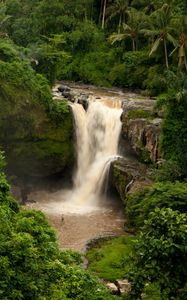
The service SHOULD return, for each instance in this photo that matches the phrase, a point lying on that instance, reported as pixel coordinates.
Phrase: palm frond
(126, 27)
(117, 37)
(149, 32)
(172, 39)
(155, 46)
(174, 50)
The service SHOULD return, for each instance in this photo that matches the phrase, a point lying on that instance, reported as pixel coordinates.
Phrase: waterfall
(97, 133)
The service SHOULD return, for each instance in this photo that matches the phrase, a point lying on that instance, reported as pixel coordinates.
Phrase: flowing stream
(86, 211)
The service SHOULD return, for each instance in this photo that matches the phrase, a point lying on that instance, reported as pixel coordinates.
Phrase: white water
(97, 132)
(85, 214)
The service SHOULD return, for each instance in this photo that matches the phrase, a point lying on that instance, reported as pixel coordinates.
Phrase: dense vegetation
(40, 128)
(31, 264)
(133, 44)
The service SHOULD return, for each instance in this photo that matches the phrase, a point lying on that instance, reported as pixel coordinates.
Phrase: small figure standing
(62, 219)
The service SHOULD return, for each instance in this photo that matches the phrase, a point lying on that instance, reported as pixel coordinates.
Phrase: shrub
(155, 81)
(174, 130)
(160, 255)
(161, 194)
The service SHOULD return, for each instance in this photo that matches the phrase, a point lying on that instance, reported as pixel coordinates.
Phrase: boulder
(127, 175)
(64, 88)
(83, 100)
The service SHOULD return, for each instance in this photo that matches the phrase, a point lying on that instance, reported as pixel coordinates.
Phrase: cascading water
(85, 215)
(97, 132)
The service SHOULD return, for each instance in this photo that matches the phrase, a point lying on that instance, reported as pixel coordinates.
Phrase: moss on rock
(35, 131)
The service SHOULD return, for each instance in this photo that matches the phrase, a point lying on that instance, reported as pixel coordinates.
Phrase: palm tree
(181, 46)
(132, 29)
(102, 15)
(118, 9)
(161, 30)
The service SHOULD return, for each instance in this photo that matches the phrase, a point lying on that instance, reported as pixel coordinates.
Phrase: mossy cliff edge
(35, 130)
(141, 127)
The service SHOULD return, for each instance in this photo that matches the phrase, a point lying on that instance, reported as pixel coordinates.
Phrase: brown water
(77, 228)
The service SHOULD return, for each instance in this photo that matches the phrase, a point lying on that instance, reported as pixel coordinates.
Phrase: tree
(118, 9)
(102, 13)
(131, 29)
(161, 30)
(160, 255)
(180, 23)
(160, 194)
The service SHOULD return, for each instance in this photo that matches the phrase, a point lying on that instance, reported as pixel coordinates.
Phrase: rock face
(36, 143)
(141, 128)
(127, 175)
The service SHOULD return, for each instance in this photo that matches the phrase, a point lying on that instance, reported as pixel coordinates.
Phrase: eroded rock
(128, 175)
(141, 127)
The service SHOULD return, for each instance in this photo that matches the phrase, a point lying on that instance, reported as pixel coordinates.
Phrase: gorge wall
(141, 130)
(36, 142)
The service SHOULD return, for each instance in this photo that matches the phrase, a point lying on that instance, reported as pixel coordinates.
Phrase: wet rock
(126, 175)
(67, 95)
(77, 96)
(64, 88)
(83, 100)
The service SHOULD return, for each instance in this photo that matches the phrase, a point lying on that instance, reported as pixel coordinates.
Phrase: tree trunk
(136, 44)
(166, 54)
(119, 25)
(133, 45)
(104, 14)
(101, 10)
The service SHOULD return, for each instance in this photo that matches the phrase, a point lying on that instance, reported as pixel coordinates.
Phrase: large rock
(128, 175)
(35, 142)
(141, 127)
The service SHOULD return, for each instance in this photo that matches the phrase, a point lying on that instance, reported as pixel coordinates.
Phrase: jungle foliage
(31, 264)
(131, 44)
(159, 256)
